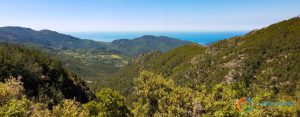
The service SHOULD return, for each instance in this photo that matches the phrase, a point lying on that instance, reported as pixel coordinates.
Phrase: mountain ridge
(53, 39)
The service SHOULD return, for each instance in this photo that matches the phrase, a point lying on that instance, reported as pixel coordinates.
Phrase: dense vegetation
(158, 96)
(44, 78)
(15, 104)
(35, 84)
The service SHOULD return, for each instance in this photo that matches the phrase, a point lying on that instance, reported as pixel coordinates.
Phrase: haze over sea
(198, 37)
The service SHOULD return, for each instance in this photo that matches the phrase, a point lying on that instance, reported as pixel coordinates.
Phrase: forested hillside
(44, 77)
(34, 84)
(146, 44)
(261, 63)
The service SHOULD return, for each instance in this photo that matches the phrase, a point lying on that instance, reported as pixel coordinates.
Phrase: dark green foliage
(13, 103)
(146, 44)
(46, 38)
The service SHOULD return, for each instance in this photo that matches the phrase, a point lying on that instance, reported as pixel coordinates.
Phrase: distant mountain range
(146, 44)
(54, 40)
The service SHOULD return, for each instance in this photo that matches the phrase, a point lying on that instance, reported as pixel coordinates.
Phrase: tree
(220, 101)
(69, 108)
(14, 103)
(160, 97)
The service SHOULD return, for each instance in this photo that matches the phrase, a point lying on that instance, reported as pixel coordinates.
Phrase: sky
(146, 15)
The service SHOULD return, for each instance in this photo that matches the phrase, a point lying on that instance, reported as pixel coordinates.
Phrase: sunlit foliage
(108, 103)
(69, 108)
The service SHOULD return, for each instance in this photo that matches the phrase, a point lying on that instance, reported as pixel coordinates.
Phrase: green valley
(89, 59)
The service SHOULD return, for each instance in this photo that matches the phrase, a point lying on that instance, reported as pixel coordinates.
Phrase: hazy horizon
(146, 16)
(197, 37)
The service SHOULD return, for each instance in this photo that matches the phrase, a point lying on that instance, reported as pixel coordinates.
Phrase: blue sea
(198, 37)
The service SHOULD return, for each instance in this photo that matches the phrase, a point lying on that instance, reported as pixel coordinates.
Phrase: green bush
(108, 103)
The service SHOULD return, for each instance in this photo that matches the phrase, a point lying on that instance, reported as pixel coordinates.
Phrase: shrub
(108, 103)
(69, 108)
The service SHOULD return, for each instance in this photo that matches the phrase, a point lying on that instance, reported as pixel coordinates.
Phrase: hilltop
(146, 44)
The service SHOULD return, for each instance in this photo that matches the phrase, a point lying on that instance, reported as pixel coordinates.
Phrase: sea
(197, 37)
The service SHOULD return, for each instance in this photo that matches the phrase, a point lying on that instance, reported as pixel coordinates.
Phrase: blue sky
(146, 15)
